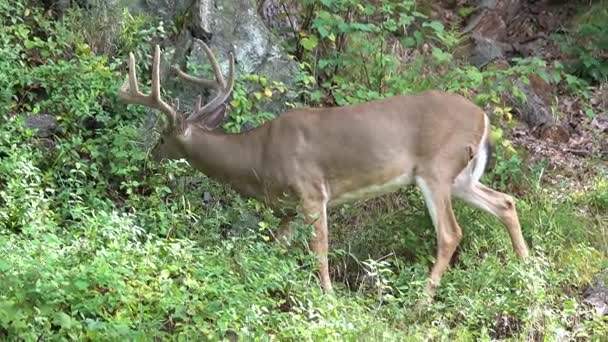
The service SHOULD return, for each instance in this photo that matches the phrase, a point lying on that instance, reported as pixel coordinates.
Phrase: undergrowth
(98, 242)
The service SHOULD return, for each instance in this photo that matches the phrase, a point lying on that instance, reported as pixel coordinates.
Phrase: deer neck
(231, 158)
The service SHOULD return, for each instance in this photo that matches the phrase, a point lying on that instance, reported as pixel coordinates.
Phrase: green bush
(587, 44)
(99, 243)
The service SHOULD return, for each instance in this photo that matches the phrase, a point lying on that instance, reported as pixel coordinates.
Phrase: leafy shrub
(346, 35)
(587, 45)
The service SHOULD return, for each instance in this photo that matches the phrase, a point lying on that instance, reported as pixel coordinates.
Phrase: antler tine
(129, 88)
(130, 93)
(133, 87)
(214, 64)
(198, 103)
(231, 72)
(163, 106)
(219, 83)
(156, 75)
(221, 96)
(196, 80)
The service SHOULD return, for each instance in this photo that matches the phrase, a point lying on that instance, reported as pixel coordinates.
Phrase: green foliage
(486, 285)
(250, 93)
(597, 196)
(346, 36)
(251, 96)
(352, 51)
(99, 243)
(587, 45)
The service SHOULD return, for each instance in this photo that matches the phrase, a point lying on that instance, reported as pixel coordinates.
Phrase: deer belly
(371, 190)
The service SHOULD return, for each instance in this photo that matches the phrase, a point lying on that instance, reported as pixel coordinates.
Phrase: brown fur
(308, 157)
(314, 158)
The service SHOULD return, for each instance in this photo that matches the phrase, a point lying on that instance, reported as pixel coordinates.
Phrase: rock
(487, 24)
(228, 26)
(596, 295)
(280, 15)
(242, 226)
(600, 124)
(46, 145)
(486, 50)
(207, 198)
(525, 25)
(506, 8)
(44, 124)
(168, 10)
(535, 112)
(489, 32)
(236, 26)
(541, 87)
(554, 133)
(537, 46)
(58, 6)
(487, 4)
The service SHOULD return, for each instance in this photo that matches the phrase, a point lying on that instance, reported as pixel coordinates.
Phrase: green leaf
(408, 42)
(405, 20)
(475, 76)
(309, 43)
(465, 11)
(323, 31)
(29, 44)
(81, 284)
(4, 266)
(435, 25)
(64, 320)
(440, 55)
(496, 134)
(419, 37)
(363, 27)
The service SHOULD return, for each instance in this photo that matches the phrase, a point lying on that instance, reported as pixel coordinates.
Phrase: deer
(312, 159)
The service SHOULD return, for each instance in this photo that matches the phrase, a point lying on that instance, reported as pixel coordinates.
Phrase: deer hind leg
(498, 204)
(439, 203)
(315, 211)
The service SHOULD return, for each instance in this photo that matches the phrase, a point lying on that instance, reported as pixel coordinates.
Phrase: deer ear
(215, 117)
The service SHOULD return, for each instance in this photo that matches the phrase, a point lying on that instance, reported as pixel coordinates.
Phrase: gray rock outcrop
(230, 26)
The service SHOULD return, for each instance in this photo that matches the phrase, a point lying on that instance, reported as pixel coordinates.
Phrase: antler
(130, 93)
(222, 87)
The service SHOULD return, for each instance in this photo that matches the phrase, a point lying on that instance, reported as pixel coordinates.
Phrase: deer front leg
(439, 203)
(315, 212)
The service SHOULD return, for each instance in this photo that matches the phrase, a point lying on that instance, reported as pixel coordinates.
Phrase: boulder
(488, 24)
(596, 295)
(226, 26)
(280, 15)
(236, 26)
(229, 26)
(537, 114)
(486, 50)
(45, 125)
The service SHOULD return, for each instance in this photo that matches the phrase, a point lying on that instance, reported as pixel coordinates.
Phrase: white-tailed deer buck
(318, 158)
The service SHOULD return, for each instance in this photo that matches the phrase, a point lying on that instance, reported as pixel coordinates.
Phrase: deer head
(205, 117)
